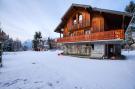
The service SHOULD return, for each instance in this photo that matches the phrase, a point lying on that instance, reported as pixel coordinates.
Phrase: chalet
(92, 32)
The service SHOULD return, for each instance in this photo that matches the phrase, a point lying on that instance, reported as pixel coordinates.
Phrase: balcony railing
(107, 35)
(80, 25)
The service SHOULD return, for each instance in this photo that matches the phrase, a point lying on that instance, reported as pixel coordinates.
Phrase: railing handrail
(107, 35)
(80, 25)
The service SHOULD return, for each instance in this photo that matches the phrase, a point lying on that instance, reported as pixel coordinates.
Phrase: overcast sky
(21, 18)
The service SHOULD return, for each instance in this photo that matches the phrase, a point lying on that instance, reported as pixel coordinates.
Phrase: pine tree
(50, 43)
(36, 41)
(130, 8)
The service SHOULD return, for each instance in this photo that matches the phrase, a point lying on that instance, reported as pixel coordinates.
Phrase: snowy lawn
(47, 70)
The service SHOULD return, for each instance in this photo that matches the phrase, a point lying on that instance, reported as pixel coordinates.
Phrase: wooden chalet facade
(92, 32)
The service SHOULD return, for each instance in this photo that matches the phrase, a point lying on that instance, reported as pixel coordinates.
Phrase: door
(109, 50)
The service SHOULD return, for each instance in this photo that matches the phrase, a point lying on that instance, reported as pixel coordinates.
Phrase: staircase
(130, 32)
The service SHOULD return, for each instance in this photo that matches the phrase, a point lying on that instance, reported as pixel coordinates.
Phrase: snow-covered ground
(47, 70)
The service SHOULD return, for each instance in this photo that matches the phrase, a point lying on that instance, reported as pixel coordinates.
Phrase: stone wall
(77, 49)
(98, 51)
(93, 50)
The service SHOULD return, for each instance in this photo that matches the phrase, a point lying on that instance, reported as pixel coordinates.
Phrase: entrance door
(109, 50)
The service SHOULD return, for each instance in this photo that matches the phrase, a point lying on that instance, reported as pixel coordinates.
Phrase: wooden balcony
(80, 25)
(107, 35)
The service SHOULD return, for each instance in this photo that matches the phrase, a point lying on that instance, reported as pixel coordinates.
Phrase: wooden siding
(97, 24)
(77, 28)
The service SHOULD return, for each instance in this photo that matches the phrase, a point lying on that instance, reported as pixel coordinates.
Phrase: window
(62, 29)
(74, 20)
(80, 17)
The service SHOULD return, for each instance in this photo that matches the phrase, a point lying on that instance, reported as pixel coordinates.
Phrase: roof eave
(113, 12)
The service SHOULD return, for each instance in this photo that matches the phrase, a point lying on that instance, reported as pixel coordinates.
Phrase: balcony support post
(60, 34)
(107, 50)
(123, 20)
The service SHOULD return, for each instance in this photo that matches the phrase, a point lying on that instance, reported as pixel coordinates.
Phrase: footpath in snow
(47, 70)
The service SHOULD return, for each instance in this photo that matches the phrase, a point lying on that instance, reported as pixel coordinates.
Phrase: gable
(73, 10)
(79, 7)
